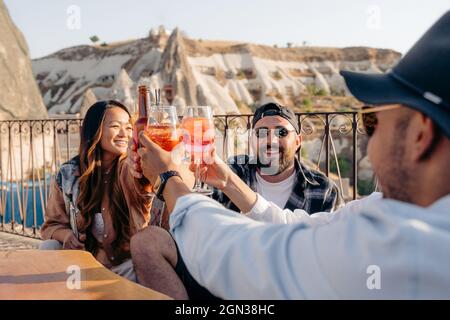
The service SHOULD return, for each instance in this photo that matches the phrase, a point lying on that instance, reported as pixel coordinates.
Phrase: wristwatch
(160, 183)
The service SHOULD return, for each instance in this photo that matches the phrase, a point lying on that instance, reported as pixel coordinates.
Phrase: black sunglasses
(369, 117)
(280, 132)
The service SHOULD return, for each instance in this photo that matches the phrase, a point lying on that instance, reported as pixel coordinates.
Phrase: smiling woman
(95, 204)
(116, 131)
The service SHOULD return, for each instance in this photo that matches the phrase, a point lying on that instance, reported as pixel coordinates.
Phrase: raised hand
(213, 171)
(153, 159)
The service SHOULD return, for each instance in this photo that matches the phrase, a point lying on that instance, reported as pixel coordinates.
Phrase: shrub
(365, 187)
(276, 75)
(345, 166)
(240, 75)
(307, 103)
(320, 93)
(312, 90)
(94, 39)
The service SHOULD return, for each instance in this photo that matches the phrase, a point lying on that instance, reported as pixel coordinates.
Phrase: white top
(373, 248)
(266, 211)
(278, 192)
(98, 227)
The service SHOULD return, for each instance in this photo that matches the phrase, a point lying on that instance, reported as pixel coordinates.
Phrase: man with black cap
(393, 245)
(275, 172)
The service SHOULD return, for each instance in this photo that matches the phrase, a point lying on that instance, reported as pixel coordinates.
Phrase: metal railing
(31, 151)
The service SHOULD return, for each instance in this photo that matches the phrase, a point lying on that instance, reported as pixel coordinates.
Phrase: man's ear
(425, 137)
(298, 141)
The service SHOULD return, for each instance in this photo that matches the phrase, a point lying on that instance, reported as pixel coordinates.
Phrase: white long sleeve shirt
(266, 211)
(371, 249)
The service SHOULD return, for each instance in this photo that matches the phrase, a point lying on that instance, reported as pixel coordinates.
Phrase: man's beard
(276, 165)
(396, 178)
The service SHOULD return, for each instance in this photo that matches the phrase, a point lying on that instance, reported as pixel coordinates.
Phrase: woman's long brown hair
(91, 183)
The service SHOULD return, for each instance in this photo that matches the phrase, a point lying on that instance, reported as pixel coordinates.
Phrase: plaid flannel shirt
(312, 192)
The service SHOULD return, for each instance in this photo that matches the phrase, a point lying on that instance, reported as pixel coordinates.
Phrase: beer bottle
(143, 105)
(141, 122)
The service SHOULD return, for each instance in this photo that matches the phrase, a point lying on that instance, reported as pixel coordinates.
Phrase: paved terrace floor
(14, 242)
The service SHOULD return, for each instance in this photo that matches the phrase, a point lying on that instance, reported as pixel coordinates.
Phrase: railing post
(327, 145)
(55, 145)
(67, 141)
(2, 200)
(299, 152)
(21, 199)
(34, 179)
(11, 177)
(355, 155)
(249, 134)
(44, 163)
(225, 140)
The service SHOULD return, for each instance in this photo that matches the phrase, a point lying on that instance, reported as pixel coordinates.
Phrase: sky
(51, 25)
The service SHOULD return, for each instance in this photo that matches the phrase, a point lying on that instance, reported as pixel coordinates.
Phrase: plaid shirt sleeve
(317, 193)
(237, 164)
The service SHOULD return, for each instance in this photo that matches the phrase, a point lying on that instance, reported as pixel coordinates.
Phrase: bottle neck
(144, 102)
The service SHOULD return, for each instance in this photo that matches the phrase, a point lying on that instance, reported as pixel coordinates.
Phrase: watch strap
(164, 177)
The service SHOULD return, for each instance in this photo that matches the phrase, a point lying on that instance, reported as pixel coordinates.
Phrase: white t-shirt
(278, 192)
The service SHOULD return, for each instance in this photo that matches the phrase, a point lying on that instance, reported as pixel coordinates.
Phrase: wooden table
(48, 275)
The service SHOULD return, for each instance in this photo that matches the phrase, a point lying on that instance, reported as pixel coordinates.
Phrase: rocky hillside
(19, 94)
(232, 77)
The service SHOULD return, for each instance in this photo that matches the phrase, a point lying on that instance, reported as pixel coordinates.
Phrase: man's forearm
(240, 193)
(186, 175)
(174, 189)
(236, 189)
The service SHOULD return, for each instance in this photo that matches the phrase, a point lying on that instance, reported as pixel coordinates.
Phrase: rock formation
(89, 99)
(232, 77)
(19, 94)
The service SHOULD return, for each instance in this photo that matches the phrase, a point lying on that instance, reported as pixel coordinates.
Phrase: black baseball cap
(420, 80)
(274, 109)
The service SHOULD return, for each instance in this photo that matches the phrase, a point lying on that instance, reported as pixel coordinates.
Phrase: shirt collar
(304, 175)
